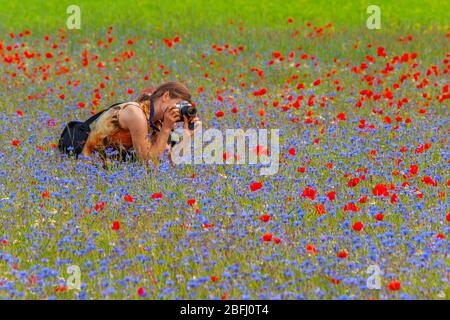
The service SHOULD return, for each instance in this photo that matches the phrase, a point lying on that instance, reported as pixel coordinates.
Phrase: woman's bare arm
(133, 119)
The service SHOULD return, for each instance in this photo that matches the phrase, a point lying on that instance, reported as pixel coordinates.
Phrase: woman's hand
(197, 124)
(171, 116)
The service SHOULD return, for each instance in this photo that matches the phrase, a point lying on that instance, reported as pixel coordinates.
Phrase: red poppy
(380, 52)
(61, 289)
(157, 196)
(380, 190)
(141, 292)
(363, 199)
(351, 207)
(115, 225)
(342, 254)
(191, 202)
(394, 198)
(267, 237)
(394, 285)
(331, 195)
(353, 182)
(277, 240)
(335, 281)
(309, 192)
(255, 186)
(413, 169)
(260, 92)
(168, 42)
(260, 150)
(429, 180)
(128, 198)
(220, 114)
(214, 278)
(264, 218)
(320, 209)
(448, 217)
(99, 206)
(440, 236)
(292, 151)
(46, 194)
(311, 248)
(379, 217)
(358, 226)
(15, 142)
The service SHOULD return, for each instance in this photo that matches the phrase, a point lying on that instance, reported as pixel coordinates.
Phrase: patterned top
(108, 138)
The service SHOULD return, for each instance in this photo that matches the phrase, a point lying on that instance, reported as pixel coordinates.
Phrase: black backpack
(75, 134)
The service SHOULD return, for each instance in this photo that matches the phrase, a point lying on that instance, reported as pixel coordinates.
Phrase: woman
(143, 126)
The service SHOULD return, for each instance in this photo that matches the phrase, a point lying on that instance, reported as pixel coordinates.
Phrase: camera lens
(191, 111)
(186, 109)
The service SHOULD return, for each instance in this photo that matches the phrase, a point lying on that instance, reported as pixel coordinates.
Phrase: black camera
(188, 110)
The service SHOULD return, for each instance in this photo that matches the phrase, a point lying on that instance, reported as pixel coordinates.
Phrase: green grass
(264, 23)
(199, 16)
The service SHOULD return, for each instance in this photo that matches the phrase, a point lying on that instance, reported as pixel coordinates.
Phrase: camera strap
(152, 114)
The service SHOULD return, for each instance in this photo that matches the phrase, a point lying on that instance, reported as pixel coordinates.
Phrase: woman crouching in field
(140, 129)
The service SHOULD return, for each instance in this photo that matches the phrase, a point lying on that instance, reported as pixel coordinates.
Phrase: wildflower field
(363, 182)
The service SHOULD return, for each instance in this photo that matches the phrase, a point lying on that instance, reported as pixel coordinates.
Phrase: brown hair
(176, 90)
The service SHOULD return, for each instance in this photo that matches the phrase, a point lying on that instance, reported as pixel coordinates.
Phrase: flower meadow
(363, 178)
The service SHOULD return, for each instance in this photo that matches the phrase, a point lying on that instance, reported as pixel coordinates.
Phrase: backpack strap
(150, 119)
(95, 117)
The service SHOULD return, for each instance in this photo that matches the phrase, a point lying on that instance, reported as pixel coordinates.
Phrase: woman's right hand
(171, 116)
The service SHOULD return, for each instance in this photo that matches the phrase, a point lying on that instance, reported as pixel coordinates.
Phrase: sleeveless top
(107, 136)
